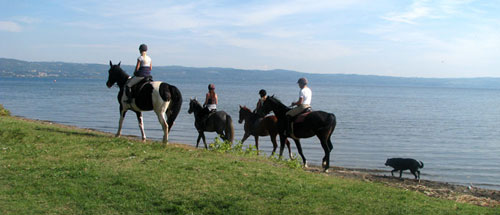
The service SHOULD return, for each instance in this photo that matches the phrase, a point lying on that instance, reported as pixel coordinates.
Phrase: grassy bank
(58, 170)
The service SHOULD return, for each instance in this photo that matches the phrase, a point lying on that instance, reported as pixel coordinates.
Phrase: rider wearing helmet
(263, 97)
(304, 102)
(142, 70)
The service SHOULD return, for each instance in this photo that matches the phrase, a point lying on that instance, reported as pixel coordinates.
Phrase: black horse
(219, 122)
(158, 96)
(319, 123)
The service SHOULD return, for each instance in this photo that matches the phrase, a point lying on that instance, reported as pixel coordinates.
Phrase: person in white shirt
(142, 70)
(304, 102)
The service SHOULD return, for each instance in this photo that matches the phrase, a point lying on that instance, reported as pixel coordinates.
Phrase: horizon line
(287, 70)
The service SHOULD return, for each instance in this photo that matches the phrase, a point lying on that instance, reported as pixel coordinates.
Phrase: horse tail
(333, 121)
(333, 124)
(229, 131)
(421, 164)
(175, 105)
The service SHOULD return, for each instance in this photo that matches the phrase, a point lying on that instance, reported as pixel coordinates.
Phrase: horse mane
(273, 97)
(246, 109)
(117, 68)
(277, 101)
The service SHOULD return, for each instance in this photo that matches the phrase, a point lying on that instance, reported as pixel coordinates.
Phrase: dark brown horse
(257, 125)
(316, 123)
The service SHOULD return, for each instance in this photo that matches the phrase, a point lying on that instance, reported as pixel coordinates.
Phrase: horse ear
(240, 106)
(110, 63)
(195, 98)
(119, 63)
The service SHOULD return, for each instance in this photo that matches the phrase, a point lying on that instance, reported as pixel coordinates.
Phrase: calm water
(455, 132)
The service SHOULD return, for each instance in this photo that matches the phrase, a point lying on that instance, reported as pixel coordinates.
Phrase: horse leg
(120, 123)
(273, 140)
(289, 150)
(245, 136)
(283, 140)
(141, 125)
(164, 125)
(257, 143)
(326, 158)
(203, 138)
(299, 148)
(198, 140)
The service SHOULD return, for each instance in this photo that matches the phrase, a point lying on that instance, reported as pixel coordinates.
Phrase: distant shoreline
(12, 68)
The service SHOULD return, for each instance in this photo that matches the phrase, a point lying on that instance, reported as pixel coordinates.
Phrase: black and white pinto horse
(158, 96)
(219, 122)
(316, 123)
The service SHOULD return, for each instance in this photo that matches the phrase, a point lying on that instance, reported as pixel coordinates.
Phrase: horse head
(266, 107)
(273, 104)
(194, 106)
(115, 73)
(244, 112)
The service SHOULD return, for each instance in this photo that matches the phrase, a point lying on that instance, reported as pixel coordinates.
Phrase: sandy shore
(437, 189)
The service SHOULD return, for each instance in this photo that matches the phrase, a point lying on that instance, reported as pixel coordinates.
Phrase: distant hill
(24, 69)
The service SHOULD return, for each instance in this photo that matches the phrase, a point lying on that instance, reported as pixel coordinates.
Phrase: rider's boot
(128, 93)
(288, 130)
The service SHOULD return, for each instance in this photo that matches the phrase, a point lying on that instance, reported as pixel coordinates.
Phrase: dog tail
(421, 164)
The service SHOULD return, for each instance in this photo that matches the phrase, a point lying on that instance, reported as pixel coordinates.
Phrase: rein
(278, 107)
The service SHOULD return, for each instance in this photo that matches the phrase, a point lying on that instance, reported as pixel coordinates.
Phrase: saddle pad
(138, 87)
(301, 117)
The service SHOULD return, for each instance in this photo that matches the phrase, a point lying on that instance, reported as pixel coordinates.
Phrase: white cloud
(417, 10)
(429, 9)
(10, 26)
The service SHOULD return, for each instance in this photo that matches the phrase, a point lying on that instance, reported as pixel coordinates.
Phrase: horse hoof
(326, 171)
(305, 165)
(118, 135)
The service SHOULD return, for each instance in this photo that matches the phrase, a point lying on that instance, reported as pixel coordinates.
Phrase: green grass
(47, 169)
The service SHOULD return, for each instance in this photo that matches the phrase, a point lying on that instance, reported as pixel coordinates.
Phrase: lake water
(455, 132)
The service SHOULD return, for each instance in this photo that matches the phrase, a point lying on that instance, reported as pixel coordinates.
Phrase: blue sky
(420, 38)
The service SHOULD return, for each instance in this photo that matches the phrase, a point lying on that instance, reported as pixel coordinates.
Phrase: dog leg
(414, 174)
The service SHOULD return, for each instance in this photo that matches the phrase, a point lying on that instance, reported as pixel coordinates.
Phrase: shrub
(225, 147)
(3, 111)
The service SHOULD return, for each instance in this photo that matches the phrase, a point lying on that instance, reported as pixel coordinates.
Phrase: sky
(419, 38)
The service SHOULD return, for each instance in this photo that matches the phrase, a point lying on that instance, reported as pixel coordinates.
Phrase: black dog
(404, 164)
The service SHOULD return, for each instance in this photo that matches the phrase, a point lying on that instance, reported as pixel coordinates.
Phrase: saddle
(206, 114)
(301, 116)
(139, 86)
(298, 119)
